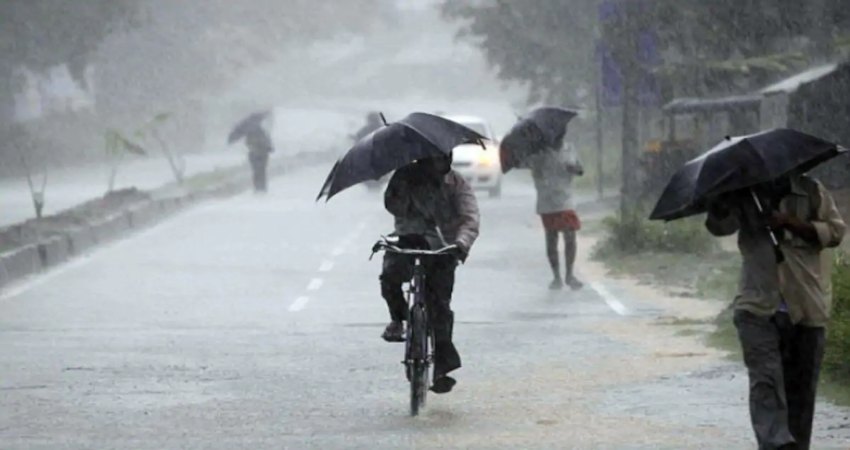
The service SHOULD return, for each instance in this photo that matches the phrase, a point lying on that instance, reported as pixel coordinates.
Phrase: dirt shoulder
(685, 348)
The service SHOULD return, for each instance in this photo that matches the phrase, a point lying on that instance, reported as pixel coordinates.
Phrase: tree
(41, 34)
(186, 51)
(704, 47)
(151, 130)
(117, 146)
(547, 44)
(18, 140)
(707, 46)
(38, 35)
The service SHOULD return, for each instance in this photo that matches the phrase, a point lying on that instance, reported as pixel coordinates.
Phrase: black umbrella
(541, 129)
(246, 126)
(737, 164)
(552, 121)
(417, 136)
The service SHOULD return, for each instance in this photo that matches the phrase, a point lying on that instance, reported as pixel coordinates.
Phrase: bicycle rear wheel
(418, 358)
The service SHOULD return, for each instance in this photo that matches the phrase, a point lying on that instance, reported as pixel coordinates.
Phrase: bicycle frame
(416, 298)
(418, 353)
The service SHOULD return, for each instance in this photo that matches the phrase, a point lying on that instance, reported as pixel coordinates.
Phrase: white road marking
(315, 284)
(299, 304)
(327, 265)
(610, 299)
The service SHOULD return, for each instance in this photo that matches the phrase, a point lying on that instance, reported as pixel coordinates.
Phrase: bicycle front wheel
(418, 358)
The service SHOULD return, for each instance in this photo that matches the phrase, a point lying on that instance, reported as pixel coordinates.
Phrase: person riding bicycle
(433, 206)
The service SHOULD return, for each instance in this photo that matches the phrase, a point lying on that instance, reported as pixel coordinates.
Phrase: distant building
(816, 101)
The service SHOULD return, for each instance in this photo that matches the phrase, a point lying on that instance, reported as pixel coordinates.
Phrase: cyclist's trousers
(439, 283)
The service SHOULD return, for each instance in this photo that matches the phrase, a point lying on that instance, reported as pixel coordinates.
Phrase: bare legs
(570, 250)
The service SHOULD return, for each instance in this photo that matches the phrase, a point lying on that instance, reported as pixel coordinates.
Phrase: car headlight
(488, 158)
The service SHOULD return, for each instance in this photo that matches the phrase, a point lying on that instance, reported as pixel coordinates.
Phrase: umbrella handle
(383, 119)
(776, 249)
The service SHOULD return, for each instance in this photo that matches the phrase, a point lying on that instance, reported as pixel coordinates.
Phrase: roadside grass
(680, 262)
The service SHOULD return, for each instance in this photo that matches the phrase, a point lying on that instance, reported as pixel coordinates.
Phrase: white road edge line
(33, 281)
(299, 304)
(609, 299)
(315, 284)
(327, 266)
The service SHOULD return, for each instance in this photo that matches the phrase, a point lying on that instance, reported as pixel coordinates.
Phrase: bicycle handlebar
(386, 246)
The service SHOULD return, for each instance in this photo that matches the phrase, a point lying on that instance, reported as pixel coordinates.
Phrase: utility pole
(621, 31)
(600, 174)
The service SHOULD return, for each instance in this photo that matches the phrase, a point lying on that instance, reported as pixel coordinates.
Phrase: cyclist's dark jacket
(430, 209)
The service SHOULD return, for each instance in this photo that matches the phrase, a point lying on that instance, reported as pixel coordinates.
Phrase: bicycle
(419, 336)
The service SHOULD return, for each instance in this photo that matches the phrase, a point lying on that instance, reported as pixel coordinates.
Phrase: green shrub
(634, 234)
(837, 358)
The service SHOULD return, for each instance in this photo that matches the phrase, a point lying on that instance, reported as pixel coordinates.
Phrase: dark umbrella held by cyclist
(432, 207)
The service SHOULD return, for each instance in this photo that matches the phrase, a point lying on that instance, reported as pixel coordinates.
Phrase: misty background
(72, 71)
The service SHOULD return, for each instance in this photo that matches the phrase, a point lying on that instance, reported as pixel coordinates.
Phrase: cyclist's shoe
(443, 385)
(574, 283)
(556, 285)
(394, 332)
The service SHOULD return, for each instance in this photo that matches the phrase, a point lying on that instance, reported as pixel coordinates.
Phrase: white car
(479, 166)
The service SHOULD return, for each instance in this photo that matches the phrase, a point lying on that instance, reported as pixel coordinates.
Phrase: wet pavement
(254, 322)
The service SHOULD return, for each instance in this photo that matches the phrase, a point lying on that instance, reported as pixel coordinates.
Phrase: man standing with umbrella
(553, 170)
(259, 147)
(553, 173)
(786, 222)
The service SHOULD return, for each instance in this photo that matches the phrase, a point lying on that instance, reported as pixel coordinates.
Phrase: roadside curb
(58, 248)
(19, 263)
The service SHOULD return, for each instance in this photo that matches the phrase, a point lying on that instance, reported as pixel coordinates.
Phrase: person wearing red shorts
(553, 172)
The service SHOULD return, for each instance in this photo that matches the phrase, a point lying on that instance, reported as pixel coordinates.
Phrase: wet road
(253, 323)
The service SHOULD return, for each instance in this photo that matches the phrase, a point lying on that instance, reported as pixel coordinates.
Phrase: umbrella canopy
(552, 121)
(740, 163)
(417, 136)
(246, 126)
(541, 129)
